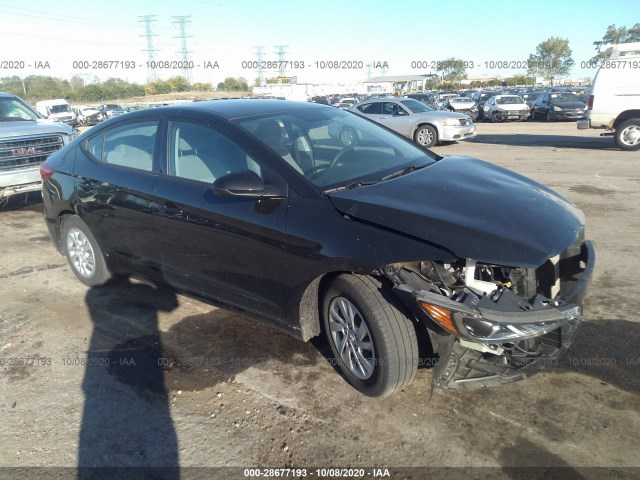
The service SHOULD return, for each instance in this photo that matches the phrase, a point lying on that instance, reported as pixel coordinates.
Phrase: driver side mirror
(246, 184)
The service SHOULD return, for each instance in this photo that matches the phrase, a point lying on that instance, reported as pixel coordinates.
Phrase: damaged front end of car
(494, 324)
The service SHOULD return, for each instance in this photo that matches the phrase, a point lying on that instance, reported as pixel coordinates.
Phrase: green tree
(232, 84)
(615, 35)
(452, 70)
(551, 60)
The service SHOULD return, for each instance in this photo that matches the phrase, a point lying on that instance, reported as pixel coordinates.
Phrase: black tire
(426, 135)
(621, 135)
(532, 115)
(348, 137)
(494, 117)
(394, 355)
(77, 241)
(548, 116)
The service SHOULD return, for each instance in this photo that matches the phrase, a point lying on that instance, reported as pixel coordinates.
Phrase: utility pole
(182, 22)
(260, 69)
(147, 19)
(281, 64)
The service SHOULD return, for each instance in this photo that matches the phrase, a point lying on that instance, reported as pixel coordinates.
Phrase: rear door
(115, 173)
(229, 249)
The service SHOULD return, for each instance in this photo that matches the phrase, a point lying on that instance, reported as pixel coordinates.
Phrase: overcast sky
(363, 32)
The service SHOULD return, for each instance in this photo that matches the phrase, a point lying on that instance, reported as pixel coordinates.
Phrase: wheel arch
(58, 243)
(306, 306)
(429, 124)
(626, 115)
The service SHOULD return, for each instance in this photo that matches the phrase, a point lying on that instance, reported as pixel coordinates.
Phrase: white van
(58, 110)
(614, 103)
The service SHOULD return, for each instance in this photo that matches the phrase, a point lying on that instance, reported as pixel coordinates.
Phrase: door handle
(168, 209)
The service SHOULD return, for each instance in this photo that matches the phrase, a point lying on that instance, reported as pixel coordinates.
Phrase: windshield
(415, 106)
(484, 96)
(12, 109)
(564, 97)
(509, 100)
(334, 148)
(59, 108)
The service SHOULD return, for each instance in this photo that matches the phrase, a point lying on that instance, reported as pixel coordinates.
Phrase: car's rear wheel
(373, 343)
(426, 135)
(627, 135)
(83, 253)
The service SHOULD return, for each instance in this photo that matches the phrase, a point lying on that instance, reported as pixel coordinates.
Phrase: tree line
(37, 87)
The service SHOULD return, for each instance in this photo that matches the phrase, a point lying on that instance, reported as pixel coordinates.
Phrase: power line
(147, 19)
(182, 22)
(281, 63)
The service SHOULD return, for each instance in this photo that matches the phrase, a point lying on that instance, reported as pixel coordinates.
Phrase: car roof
(7, 95)
(245, 108)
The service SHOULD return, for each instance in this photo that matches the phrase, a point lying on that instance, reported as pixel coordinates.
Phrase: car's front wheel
(627, 135)
(373, 343)
(83, 253)
(548, 116)
(426, 135)
(348, 137)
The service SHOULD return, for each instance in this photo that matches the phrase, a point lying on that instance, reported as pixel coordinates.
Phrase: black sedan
(379, 245)
(558, 106)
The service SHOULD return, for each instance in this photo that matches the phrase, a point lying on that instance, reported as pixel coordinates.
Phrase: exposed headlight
(557, 109)
(451, 122)
(472, 325)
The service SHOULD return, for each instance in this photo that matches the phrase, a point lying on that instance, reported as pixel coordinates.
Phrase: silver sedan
(417, 121)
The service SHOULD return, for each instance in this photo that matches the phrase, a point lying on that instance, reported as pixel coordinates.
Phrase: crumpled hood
(472, 208)
(27, 128)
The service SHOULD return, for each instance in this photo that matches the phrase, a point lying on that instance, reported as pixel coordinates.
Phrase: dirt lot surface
(133, 375)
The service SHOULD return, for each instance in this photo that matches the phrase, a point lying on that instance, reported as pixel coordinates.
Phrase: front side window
(197, 152)
(131, 145)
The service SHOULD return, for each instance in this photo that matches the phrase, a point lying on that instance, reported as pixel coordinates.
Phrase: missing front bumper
(462, 368)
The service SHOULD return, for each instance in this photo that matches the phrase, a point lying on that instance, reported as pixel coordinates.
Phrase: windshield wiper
(404, 171)
(350, 186)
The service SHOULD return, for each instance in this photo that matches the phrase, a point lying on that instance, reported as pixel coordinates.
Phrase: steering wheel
(340, 155)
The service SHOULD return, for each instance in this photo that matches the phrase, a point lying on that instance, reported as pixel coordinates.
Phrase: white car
(506, 107)
(88, 115)
(417, 121)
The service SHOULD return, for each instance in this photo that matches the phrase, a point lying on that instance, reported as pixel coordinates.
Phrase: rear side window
(94, 145)
(131, 145)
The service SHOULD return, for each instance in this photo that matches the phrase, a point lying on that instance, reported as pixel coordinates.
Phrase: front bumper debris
(485, 342)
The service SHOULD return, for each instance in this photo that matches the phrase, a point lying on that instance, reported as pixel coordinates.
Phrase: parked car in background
(427, 98)
(614, 102)
(558, 106)
(416, 121)
(480, 97)
(110, 110)
(57, 110)
(529, 98)
(500, 108)
(88, 115)
(26, 140)
(379, 246)
(463, 105)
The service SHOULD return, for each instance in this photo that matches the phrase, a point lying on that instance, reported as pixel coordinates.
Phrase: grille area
(27, 152)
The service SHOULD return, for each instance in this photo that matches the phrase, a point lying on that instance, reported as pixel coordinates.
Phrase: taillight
(590, 103)
(46, 171)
